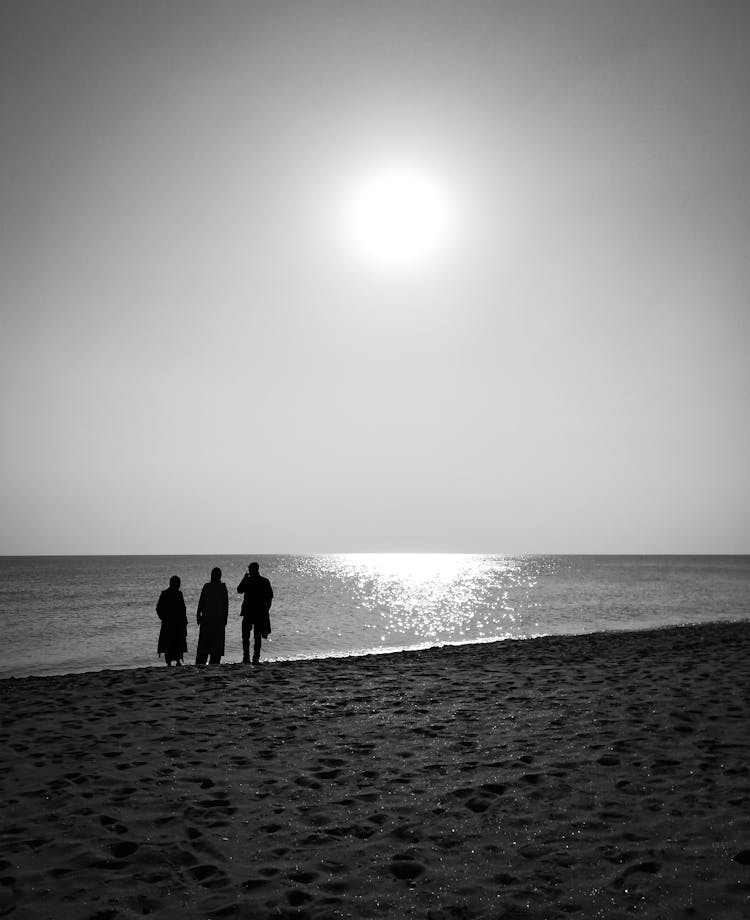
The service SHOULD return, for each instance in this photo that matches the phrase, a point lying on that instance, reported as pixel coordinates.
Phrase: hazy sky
(197, 355)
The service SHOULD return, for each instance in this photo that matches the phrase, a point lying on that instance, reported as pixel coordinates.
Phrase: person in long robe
(170, 609)
(212, 615)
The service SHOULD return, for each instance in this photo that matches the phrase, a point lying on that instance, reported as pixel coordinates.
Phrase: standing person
(170, 609)
(212, 615)
(256, 606)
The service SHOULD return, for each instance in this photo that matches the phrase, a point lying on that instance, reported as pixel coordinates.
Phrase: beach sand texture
(597, 776)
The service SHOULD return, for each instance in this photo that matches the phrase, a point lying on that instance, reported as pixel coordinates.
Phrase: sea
(65, 614)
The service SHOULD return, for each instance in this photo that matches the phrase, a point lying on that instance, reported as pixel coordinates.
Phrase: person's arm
(183, 608)
(160, 606)
(242, 586)
(225, 603)
(199, 611)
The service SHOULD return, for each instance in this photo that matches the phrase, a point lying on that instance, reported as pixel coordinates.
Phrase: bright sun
(398, 217)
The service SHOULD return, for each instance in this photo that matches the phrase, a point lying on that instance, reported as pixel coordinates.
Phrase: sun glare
(398, 217)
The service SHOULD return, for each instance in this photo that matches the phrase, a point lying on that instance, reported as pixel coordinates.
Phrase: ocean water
(66, 614)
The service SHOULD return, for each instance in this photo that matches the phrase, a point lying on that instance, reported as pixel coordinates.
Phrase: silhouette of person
(212, 615)
(256, 606)
(170, 609)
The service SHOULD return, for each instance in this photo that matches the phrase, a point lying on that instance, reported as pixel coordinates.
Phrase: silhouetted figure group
(212, 616)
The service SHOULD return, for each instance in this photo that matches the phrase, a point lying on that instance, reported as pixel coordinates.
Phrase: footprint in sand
(209, 876)
(332, 762)
(327, 774)
(405, 867)
(335, 887)
(123, 848)
(303, 878)
(306, 782)
(650, 867)
(533, 779)
(112, 825)
(251, 884)
(478, 799)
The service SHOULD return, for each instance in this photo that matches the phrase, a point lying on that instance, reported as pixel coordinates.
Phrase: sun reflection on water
(437, 597)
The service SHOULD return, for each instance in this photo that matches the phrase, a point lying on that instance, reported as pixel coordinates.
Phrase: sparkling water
(63, 614)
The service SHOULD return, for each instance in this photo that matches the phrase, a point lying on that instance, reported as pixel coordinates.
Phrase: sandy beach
(597, 776)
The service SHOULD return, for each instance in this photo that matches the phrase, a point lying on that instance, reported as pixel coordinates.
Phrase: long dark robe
(213, 612)
(173, 633)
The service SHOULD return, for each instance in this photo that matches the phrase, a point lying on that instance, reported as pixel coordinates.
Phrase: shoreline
(597, 774)
(379, 652)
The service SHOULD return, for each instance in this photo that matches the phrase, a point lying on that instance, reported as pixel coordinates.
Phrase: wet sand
(596, 776)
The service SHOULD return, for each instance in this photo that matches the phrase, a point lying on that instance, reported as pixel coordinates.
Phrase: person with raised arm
(256, 606)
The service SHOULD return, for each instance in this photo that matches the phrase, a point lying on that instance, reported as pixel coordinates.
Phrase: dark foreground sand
(600, 776)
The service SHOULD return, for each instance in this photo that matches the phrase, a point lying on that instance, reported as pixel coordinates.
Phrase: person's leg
(215, 659)
(257, 639)
(201, 652)
(246, 627)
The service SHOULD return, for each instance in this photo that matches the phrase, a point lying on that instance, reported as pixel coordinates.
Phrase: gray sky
(197, 355)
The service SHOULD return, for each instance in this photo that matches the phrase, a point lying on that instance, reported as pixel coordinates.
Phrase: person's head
(216, 574)
(174, 581)
(253, 568)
